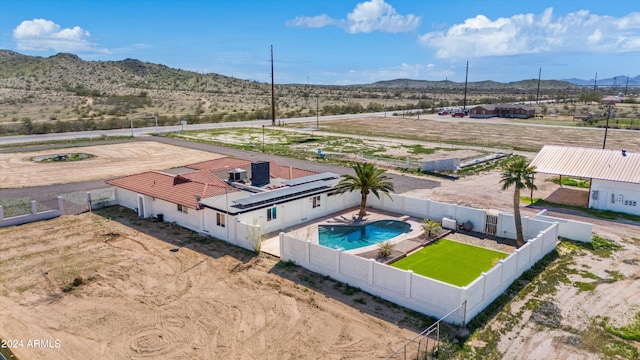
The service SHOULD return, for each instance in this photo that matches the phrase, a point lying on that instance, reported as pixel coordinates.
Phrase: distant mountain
(63, 71)
(620, 81)
(486, 85)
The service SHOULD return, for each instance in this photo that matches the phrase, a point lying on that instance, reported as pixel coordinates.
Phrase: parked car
(443, 112)
(458, 114)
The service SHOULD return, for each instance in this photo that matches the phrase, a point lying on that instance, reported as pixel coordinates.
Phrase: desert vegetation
(64, 93)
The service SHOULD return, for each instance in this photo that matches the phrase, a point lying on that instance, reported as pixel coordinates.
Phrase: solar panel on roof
(281, 193)
(311, 178)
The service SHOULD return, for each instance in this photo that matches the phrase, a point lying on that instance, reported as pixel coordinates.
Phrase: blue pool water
(355, 236)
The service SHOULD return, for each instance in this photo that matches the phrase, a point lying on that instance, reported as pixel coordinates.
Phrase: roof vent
(237, 174)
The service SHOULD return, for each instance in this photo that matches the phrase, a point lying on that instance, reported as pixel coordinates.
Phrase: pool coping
(416, 231)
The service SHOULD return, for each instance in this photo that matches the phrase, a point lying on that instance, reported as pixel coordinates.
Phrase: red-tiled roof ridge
(287, 172)
(164, 186)
(224, 163)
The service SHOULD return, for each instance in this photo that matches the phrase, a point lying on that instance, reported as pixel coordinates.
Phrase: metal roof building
(602, 164)
(614, 174)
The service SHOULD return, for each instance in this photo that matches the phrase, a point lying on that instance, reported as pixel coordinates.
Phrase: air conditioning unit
(448, 224)
(237, 175)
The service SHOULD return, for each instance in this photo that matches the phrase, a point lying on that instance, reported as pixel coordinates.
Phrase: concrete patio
(309, 230)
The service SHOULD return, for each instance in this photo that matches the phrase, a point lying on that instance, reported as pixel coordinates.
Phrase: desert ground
(139, 299)
(205, 300)
(17, 169)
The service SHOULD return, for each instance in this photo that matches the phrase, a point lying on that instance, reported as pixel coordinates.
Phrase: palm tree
(519, 173)
(368, 179)
(431, 227)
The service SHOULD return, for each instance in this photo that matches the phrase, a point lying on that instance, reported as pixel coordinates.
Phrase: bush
(385, 249)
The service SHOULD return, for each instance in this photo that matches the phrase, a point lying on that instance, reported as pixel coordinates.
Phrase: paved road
(136, 132)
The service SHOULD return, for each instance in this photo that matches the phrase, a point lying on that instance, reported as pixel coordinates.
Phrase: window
(316, 201)
(272, 214)
(183, 209)
(221, 219)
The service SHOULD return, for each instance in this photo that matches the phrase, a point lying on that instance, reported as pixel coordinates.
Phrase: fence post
(89, 200)
(370, 274)
(407, 283)
(60, 204)
(34, 207)
(281, 235)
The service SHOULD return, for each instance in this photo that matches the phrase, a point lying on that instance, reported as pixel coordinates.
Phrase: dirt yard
(140, 298)
(18, 170)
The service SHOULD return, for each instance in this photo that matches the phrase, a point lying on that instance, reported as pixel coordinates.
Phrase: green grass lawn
(451, 262)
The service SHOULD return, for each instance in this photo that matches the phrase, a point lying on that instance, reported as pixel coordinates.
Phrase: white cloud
(43, 35)
(366, 17)
(579, 31)
(312, 21)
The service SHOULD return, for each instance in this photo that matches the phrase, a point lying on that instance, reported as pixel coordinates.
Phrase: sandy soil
(208, 300)
(109, 161)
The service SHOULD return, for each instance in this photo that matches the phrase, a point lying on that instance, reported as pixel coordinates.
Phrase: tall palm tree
(519, 173)
(368, 179)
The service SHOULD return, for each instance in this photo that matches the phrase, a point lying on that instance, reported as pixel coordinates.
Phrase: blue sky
(339, 42)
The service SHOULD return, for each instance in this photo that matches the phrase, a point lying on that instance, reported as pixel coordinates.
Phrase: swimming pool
(348, 237)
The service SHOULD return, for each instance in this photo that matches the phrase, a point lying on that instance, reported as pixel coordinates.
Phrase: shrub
(385, 249)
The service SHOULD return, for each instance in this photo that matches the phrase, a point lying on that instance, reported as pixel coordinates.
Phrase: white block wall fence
(570, 229)
(35, 215)
(419, 293)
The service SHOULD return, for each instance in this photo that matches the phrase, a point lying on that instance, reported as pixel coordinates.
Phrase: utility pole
(466, 77)
(606, 126)
(538, 92)
(419, 103)
(273, 96)
(626, 87)
(317, 112)
(594, 84)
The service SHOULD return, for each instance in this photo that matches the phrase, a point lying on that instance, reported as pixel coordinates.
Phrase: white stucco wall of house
(615, 196)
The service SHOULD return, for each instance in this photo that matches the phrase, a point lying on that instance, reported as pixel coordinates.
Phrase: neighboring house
(611, 100)
(502, 110)
(483, 112)
(515, 111)
(614, 174)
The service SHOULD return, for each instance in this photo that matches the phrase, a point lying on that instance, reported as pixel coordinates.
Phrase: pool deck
(309, 230)
(402, 244)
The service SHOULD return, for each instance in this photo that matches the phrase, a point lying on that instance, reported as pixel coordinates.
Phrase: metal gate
(491, 224)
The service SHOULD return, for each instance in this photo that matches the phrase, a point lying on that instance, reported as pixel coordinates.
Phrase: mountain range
(617, 81)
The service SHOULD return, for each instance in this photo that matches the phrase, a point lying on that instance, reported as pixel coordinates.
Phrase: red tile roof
(178, 189)
(225, 163)
(229, 163)
(287, 172)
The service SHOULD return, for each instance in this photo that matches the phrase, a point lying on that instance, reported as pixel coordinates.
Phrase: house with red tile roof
(174, 197)
(222, 167)
(221, 199)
